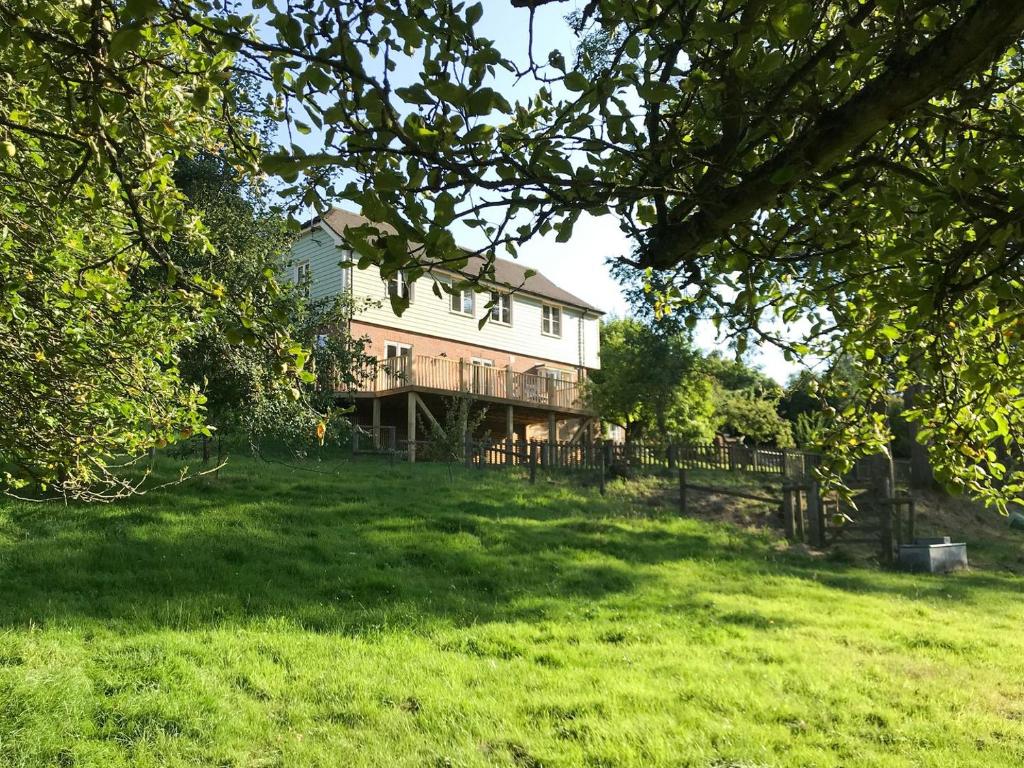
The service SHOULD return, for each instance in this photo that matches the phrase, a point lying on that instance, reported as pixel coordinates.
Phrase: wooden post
(911, 520)
(410, 426)
(799, 526)
(376, 423)
(601, 475)
(410, 368)
(533, 462)
(682, 491)
(787, 512)
(671, 456)
(468, 451)
(509, 388)
(885, 520)
(462, 374)
(815, 515)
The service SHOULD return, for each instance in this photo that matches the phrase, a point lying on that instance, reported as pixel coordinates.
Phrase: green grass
(387, 616)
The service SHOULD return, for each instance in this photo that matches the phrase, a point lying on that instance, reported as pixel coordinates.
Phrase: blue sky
(578, 265)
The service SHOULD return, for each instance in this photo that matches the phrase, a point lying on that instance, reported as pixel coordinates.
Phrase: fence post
(671, 456)
(468, 451)
(787, 512)
(682, 491)
(911, 520)
(533, 462)
(601, 470)
(815, 515)
(885, 521)
(800, 526)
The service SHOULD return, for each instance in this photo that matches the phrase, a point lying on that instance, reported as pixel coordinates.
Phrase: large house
(526, 363)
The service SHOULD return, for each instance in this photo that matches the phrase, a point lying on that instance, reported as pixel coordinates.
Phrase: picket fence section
(637, 456)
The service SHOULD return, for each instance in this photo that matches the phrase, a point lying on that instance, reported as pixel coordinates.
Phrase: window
(345, 265)
(302, 277)
(501, 308)
(398, 287)
(396, 349)
(462, 302)
(552, 324)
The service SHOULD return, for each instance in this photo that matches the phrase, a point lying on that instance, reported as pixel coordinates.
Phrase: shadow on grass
(373, 546)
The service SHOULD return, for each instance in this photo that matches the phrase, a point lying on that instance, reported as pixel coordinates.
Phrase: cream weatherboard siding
(427, 314)
(318, 249)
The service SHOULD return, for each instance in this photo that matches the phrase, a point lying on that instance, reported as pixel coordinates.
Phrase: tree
(745, 414)
(648, 381)
(851, 165)
(242, 383)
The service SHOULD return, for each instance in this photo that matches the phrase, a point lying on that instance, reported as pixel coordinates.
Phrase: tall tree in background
(852, 165)
(650, 382)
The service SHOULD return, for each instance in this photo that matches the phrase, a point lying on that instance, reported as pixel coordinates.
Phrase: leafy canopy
(850, 166)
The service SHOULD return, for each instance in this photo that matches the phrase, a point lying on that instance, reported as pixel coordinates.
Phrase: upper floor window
(462, 302)
(552, 322)
(302, 277)
(398, 287)
(501, 308)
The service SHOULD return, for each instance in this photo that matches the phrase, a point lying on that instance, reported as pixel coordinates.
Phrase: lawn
(369, 615)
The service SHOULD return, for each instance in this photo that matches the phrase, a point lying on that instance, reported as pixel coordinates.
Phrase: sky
(580, 264)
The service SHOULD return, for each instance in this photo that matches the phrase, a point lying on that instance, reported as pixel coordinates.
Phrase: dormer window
(501, 308)
(551, 325)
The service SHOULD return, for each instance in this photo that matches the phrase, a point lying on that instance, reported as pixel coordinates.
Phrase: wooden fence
(638, 456)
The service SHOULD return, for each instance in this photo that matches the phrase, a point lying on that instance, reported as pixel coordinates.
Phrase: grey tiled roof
(506, 271)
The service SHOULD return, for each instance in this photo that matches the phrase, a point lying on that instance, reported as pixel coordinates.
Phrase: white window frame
(501, 303)
(303, 277)
(345, 265)
(461, 296)
(400, 347)
(401, 282)
(551, 317)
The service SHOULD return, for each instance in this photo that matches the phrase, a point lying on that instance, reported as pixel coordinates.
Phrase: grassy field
(368, 615)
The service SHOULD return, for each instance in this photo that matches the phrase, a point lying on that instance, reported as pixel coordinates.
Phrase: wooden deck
(453, 376)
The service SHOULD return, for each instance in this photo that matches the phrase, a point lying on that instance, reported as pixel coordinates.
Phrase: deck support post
(552, 437)
(411, 427)
(510, 433)
(376, 423)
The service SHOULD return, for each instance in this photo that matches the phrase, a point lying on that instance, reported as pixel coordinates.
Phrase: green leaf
(125, 40)
(576, 81)
(793, 21)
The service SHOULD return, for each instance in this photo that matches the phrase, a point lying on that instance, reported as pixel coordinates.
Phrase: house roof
(506, 271)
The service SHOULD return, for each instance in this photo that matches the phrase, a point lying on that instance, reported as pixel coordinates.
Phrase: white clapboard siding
(428, 314)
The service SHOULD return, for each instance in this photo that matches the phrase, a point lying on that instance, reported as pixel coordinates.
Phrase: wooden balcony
(451, 376)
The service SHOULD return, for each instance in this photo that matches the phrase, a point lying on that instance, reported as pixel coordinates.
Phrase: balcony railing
(463, 376)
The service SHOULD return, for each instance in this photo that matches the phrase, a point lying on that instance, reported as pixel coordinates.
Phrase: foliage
(244, 389)
(849, 167)
(745, 414)
(447, 439)
(93, 305)
(391, 617)
(809, 429)
(647, 379)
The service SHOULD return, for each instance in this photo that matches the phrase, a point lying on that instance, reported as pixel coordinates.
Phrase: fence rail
(632, 456)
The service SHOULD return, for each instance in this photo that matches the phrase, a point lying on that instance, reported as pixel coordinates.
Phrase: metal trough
(938, 555)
